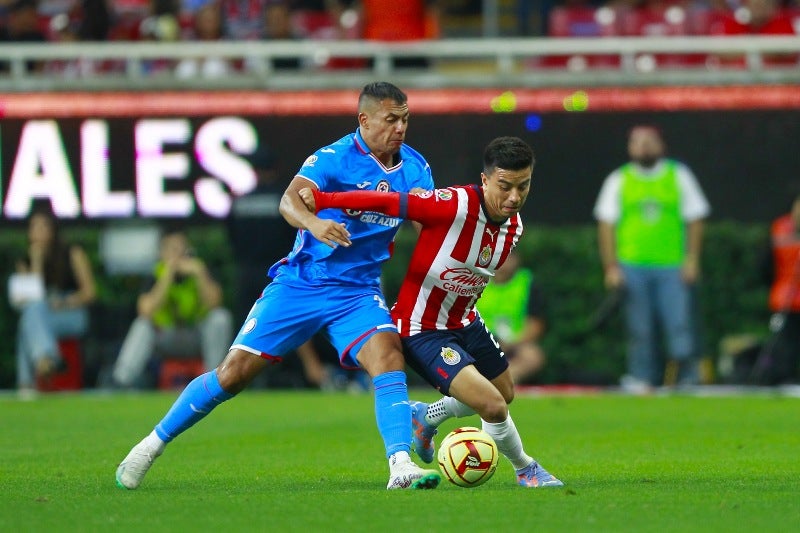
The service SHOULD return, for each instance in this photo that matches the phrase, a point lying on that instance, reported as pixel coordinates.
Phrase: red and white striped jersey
(458, 251)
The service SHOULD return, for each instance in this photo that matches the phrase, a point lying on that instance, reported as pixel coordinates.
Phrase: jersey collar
(361, 144)
(362, 147)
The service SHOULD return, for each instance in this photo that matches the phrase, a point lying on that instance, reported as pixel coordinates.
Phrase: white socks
(155, 443)
(398, 458)
(508, 441)
(444, 408)
(504, 433)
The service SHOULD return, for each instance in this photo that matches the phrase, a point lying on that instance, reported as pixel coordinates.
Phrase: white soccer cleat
(132, 469)
(407, 475)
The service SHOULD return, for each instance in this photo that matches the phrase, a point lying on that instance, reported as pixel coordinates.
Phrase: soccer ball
(468, 456)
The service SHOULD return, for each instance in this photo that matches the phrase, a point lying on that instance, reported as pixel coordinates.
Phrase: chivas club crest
(485, 256)
(450, 356)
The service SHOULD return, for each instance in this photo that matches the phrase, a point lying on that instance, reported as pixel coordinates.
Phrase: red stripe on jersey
(464, 243)
(430, 316)
(455, 317)
(514, 229)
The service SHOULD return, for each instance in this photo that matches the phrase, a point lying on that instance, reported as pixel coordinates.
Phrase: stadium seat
(794, 15)
(661, 19)
(582, 21)
(71, 378)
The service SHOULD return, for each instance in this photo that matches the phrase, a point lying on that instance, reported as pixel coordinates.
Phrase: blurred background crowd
(379, 20)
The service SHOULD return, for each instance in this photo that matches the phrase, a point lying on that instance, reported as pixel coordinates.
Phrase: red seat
(582, 21)
(661, 20)
(71, 378)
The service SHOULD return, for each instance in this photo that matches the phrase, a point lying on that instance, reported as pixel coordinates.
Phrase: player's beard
(647, 161)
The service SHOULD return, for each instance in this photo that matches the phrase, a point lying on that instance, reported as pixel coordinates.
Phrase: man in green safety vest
(650, 215)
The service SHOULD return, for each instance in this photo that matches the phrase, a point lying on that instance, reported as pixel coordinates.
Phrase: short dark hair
(510, 153)
(381, 90)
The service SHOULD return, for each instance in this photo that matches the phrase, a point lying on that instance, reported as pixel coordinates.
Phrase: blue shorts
(285, 316)
(439, 355)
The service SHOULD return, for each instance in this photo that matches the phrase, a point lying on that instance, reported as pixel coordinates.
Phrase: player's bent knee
(238, 370)
(494, 411)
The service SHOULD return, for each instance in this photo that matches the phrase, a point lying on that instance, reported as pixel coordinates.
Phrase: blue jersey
(348, 165)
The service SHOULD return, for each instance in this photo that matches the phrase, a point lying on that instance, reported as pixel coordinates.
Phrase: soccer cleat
(535, 476)
(422, 432)
(410, 476)
(132, 469)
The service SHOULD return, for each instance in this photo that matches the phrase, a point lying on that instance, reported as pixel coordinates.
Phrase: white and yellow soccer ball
(468, 456)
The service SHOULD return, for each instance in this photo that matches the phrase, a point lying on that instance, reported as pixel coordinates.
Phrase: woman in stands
(53, 300)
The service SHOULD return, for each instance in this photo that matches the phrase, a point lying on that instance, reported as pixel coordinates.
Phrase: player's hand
(307, 195)
(329, 232)
(190, 266)
(418, 191)
(613, 277)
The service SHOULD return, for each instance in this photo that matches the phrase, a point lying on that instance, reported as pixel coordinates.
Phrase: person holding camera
(180, 314)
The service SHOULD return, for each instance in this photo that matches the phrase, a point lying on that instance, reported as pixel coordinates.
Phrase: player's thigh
(472, 388)
(489, 358)
(283, 318)
(381, 353)
(437, 356)
(354, 316)
(504, 383)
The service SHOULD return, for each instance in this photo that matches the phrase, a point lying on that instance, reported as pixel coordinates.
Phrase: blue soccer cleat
(534, 476)
(422, 432)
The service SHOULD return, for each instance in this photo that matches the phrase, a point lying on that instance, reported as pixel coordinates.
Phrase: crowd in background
(380, 20)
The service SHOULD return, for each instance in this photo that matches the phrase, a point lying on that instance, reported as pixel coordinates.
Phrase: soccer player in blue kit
(327, 285)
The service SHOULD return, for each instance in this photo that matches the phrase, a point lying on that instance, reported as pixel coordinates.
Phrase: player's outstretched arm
(423, 208)
(298, 215)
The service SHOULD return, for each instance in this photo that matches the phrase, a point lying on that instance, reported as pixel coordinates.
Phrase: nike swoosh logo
(196, 410)
(363, 184)
(328, 151)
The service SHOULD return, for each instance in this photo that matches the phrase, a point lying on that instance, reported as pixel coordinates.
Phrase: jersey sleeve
(316, 168)
(426, 208)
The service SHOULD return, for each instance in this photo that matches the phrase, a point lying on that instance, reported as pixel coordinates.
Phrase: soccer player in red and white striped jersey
(467, 233)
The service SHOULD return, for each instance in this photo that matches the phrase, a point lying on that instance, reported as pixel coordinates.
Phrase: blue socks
(392, 411)
(204, 393)
(199, 397)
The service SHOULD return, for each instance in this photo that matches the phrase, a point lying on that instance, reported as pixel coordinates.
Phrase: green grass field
(303, 461)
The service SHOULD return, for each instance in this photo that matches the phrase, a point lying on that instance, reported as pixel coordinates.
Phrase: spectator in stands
(95, 20)
(650, 216)
(278, 21)
(22, 26)
(513, 308)
(207, 27)
(256, 214)
(244, 20)
(393, 21)
(57, 286)
(781, 270)
(181, 308)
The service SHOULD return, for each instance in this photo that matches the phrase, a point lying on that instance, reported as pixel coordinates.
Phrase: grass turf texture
(307, 461)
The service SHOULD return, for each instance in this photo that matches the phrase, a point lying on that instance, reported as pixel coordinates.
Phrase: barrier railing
(451, 63)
